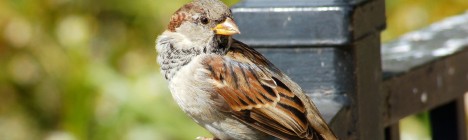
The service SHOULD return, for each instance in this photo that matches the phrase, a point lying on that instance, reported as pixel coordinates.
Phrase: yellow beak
(228, 27)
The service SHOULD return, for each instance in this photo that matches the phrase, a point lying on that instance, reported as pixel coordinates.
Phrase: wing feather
(255, 91)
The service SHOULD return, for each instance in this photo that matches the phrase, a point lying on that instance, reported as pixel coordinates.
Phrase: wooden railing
(427, 70)
(333, 50)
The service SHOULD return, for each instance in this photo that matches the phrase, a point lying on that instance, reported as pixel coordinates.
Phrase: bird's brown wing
(242, 86)
(253, 89)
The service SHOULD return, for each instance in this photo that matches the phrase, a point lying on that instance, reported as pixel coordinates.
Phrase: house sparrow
(227, 87)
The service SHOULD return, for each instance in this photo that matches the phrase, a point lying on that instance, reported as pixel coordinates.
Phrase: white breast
(187, 90)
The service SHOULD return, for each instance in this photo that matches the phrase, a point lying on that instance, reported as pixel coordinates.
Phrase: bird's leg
(205, 138)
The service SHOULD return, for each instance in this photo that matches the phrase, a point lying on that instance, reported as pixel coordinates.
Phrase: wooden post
(331, 48)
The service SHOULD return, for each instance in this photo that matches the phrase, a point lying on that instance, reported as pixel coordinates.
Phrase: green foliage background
(83, 69)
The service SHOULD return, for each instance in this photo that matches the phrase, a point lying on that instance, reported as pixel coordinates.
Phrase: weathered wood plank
(365, 102)
(367, 22)
(421, 47)
(304, 23)
(426, 87)
(425, 68)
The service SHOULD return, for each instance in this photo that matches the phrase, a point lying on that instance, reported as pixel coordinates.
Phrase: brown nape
(179, 16)
(176, 20)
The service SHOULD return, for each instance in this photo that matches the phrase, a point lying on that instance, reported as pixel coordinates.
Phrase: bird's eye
(204, 20)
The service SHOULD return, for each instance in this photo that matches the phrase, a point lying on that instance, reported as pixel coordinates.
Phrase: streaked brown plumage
(228, 87)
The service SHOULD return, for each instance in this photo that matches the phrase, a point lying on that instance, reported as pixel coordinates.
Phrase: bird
(226, 86)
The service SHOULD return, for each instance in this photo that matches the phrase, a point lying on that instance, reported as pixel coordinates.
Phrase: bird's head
(203, 21)
(207, 15)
